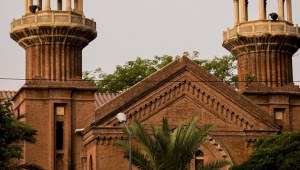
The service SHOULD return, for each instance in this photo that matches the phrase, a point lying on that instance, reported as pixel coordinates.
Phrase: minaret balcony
(53, 18)
(261, 27)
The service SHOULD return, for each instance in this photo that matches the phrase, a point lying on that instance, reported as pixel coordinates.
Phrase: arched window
(91, 163)
(199, 160)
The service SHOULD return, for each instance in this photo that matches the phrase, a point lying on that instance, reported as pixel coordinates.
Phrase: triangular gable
(185, 80)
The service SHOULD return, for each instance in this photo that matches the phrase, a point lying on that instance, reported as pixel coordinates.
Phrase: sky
(138, 28)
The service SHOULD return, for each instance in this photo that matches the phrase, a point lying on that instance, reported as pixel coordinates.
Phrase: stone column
(30, 2)
(48, 6)
(280, 9)
(243, 10)
(80, 6)
(236, 12)
(26, 7)
(262, 9)
(59, 5)
(266, 9)
(68, 5)
(247, 3)
(40, 4)
(289, 11)
(76, 5)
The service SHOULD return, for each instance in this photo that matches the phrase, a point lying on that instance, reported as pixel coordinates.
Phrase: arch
(223, 152)
(211, 150)
(199, 160)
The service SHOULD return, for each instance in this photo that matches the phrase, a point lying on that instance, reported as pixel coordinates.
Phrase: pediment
(180, 91)
(183, 109)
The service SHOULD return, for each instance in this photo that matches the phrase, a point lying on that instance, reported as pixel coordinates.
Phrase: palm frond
(138, 159)
(187, 139)
(166, 149)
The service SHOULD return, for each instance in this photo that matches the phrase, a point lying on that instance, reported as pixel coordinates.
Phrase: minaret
(53, 39)
(54, 98)
(263, 47)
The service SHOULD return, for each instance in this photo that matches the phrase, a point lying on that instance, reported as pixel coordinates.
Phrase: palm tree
(167, 149)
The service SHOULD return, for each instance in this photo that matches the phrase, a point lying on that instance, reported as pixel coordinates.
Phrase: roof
(151, 94)
(102, 98)
(7, 94)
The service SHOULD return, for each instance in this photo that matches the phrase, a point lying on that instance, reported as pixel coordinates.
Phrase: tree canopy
(13, 134)
(165, 148)
(278, 152)
(134, 71)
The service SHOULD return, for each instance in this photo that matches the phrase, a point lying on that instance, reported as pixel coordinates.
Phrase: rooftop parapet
(261, 27)
(53, 18)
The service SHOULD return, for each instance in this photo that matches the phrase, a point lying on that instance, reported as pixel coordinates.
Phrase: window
(199, 160)
(60, 110)
(278, 113)
(59, 135)
(91, 163)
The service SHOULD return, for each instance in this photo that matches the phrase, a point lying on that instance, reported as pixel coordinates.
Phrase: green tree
(13, 133)
(278, 152)
(165, 148)
(127, 75)
(134, 71)
(225, 68)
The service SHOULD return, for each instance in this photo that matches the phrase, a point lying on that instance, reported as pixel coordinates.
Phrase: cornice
(183, 87)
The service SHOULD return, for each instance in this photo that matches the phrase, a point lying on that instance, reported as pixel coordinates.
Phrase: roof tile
(7, 94)
(102, 98)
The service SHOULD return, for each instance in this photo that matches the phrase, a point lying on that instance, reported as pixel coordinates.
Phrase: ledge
(53, 18)
(261, 27)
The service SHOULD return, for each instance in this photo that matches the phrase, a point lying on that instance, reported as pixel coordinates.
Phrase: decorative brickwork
(77, 127)
(53, 42)
(264, 51)
(179, 92)
(55, 99)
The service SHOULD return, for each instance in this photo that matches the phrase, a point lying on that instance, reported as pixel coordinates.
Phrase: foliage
(13, 133)
(134, 71)
(222, 67)
(165, 148)
(275, 152)
(127, 75)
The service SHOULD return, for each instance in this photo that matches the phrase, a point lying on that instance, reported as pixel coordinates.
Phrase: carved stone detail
(192, 90)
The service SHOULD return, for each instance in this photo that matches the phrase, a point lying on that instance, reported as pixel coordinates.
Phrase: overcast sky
(131, 28)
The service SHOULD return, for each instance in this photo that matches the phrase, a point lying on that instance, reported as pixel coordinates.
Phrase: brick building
(77, 126)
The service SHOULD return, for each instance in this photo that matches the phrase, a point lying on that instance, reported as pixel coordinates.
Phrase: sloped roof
(195, 80)
(7, 94)
(102, 98)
